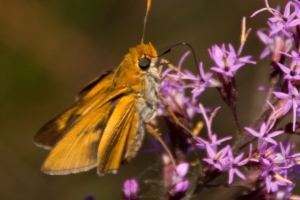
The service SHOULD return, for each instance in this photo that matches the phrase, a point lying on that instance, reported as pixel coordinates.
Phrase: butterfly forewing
(88, 99)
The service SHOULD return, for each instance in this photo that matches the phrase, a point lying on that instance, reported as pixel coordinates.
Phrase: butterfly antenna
(169, 48)
(145, 20)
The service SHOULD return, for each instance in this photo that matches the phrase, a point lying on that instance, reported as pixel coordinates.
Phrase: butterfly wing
(90, 96)
(122, 136)
(77, 150)
(92, 142)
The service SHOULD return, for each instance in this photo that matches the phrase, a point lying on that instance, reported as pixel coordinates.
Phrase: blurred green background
(50, 49)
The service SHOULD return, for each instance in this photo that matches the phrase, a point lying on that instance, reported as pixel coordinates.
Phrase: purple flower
(266, 156)
(285, 192)
(179, 189)
(292, 73)
(179, 185)
(287, 20)
(233, 164)
(283, 22)
(272, 183)
(286, 155)
(205, 81)
(214, 158)
(273, 179)
(274, 44)
(185, 55)
(263, 135)
(274, 115)
(130, 190)
(268, 41)
(173, 89)
(292, 99)
(199, 84)
(227, 62)
(179, 174)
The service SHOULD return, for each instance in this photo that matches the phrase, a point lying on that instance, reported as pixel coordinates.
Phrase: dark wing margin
(91, 85)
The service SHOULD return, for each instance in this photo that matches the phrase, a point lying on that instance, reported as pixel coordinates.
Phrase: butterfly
(106, 125)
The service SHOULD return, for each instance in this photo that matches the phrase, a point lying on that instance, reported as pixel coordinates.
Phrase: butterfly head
(143, 56)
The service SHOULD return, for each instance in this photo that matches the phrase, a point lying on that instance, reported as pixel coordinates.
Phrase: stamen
(225, 61)
(278, 177)
(218, 156)
(198, 128)
(267, 154)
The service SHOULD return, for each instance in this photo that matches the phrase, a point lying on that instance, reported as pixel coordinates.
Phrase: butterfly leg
(169, 77)
(173, 116)
(157, 136)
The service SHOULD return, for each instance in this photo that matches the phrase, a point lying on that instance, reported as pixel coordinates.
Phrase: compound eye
(144, 63)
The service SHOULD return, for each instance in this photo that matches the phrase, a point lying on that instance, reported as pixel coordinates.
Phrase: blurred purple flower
(179, 185)
(274, 44)
(185, 55)
(273, 179)
(268, 41)
(267, 152)
(130, 190)
(89, 198)
(287, 157)
(287, 20)
(292, 99)
(273, 183)
(179, 174)
(292, 73)
(284, 156)
(205, 81)
(179, 189)
(282, 22)
(285, 192)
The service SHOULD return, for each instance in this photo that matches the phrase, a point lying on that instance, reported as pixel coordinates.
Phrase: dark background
(50, 49)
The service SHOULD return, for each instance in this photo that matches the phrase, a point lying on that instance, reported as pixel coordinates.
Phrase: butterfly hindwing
(118, 136)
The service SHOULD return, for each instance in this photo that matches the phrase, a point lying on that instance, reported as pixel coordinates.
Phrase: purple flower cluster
(257, 161)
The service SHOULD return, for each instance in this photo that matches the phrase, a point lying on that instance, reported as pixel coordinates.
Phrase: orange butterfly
(106, 125)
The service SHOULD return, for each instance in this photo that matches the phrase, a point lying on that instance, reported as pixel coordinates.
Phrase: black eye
(144, 63)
